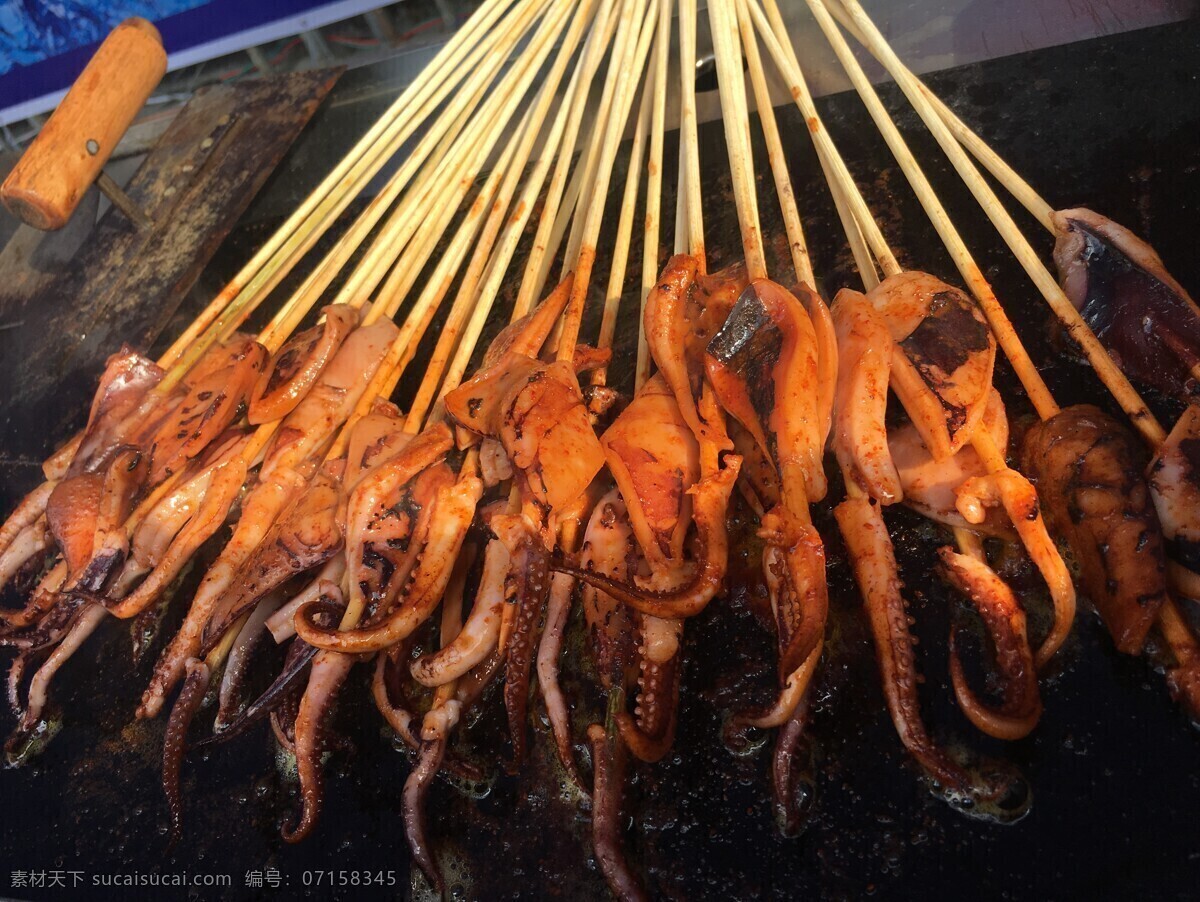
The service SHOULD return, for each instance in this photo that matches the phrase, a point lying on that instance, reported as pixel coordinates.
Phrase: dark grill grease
(943, 342)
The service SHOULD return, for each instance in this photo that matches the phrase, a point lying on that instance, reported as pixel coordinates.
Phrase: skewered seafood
(1088, 469)
(913, 322)
(405, 495)
(298, 365)
(763, 364)
(1146, 320)
(1174, 479)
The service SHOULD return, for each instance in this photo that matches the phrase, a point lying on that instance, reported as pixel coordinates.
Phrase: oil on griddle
(1111, 123)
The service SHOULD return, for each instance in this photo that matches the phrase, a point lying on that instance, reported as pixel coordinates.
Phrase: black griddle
(1110, 123)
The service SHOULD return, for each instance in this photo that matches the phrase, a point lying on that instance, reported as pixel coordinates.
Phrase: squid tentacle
(190, 698)
(711, 496)
(609, 779)
(1005, 620)
(328, 673)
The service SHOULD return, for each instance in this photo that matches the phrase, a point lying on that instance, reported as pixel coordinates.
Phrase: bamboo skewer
(402, 348)
(783, 185)
(863, 259)
(727, 39)
(689, 137)
(375, 143)
(423, 174)
(331, 207)
(682, 231)
(736, 117)
(589, 162)
(616, 274)
(978, 148)
(513, 229)
(405, 343)
(293, 312)
(1170, 620)
(1108, 371)
(630, 64)
(511, 169)
(521, 144)
(826, 149)
(775, 155)
(545, 243)
(992, 161)
(273, 337)
(502, 179)
(654, 163)
(461, 172)
(1031, 379)
(271, 263)
(1054, 570)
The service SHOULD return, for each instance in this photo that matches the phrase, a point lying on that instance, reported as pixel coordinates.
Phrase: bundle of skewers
(445, 544)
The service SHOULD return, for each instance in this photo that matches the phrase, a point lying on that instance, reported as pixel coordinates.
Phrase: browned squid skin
(547, 433)
(298, 365)
(942, 359)
(453, 511)
(683, 312)
(226, 483)
(1004, 619)
(1088, 470)
(527, 334)
(175, 743)
(608, 762)
(608, 549)
(332, 398)
(306, 534)
(763, 367)
(1145, 318)
(123, 480)
(209, 408)
(860, 438)
(801, 610)
(1174, 480)
(122, 395)
(124, 390)
(874, 562)
(71, 513)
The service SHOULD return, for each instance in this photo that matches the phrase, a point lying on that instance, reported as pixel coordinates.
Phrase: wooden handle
(47, 183)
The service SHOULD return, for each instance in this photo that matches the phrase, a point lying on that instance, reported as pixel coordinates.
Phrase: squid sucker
(531, 576)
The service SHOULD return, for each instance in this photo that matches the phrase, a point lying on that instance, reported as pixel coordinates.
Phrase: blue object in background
(44, 44)
(34, 30)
